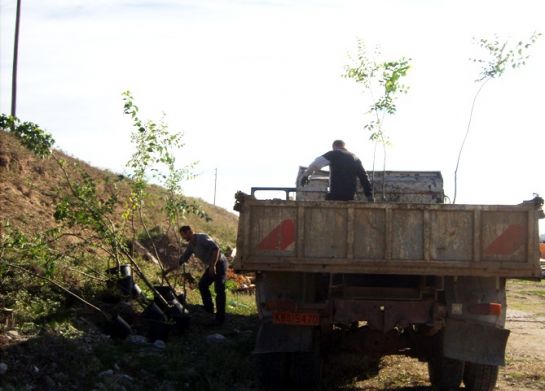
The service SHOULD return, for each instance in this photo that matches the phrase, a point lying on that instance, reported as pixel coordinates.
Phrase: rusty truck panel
(425, 187)
(418, 239)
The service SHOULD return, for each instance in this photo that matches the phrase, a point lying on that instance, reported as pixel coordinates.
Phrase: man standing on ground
(216, 264)
(345, 168)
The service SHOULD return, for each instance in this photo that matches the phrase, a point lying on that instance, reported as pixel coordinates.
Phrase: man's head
(338, 144)
(186, 232)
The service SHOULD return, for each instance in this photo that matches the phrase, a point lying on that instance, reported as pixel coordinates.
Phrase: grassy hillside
(30, 188)
(51, 340)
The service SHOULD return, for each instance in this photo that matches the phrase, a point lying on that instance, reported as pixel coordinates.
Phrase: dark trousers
(219, 285)
(339, 197)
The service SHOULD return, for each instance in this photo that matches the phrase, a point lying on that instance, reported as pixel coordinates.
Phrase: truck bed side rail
(422, 239)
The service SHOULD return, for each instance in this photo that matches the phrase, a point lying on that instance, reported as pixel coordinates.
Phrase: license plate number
(296, 318)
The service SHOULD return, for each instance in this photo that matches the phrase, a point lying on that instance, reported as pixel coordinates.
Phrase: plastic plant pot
(125, 285)
(181, 323)
(122, 270)
(125, 270)
(153, 312)
(136, 291)
(158, 329)
(119, 328)
(166, 292)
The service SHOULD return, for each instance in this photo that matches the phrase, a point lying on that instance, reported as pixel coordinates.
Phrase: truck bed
(388, 238)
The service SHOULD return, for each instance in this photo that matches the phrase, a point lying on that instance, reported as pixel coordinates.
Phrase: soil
(525, 348)
(525, 355)
(526, 330)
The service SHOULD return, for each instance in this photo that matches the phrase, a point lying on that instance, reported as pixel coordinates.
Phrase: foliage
(385, 77)
(87, 213)
(499, 56)
(92, 216)
(34, 303)
(36, 251)
(30, 134)
(155, 148)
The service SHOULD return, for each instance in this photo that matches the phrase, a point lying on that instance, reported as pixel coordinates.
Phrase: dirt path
(525, 349)
(525, 355)
(527, 334)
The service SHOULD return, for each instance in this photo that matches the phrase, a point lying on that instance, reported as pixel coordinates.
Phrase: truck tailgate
(353, 237)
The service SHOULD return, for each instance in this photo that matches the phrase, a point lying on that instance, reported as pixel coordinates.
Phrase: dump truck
(408, 274)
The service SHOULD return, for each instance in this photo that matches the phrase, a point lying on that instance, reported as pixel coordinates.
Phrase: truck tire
(272, 370)
(480, 377)
(445, 373)
(306, 371)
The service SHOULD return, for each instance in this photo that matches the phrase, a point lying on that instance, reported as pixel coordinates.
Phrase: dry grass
(31, 187)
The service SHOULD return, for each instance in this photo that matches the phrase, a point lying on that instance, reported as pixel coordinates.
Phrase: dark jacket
(345, 168)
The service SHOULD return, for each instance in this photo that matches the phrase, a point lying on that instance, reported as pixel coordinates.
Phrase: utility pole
(15, 57)
(215, 185)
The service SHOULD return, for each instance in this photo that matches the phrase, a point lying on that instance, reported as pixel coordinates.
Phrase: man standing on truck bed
(345, 168)
(209, 253)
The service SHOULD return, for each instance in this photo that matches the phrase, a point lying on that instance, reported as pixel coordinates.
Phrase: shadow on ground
(77, 355)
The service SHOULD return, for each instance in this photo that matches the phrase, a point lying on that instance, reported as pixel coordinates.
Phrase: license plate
(296, 318)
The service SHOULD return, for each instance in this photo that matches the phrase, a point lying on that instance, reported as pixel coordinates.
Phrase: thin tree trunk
(465, 138)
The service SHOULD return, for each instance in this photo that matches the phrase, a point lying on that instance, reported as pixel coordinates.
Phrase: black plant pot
(119, 328)
(181, 323)
(181, 299)
(166, 293)
(158, 330)
(176, 309)
(125, 270)
(136, 291)
(122, 270)
(125, 285)
(112, 271)
(153, 312)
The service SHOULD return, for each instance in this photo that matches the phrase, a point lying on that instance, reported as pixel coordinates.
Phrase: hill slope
(60, 301)
(30, 189)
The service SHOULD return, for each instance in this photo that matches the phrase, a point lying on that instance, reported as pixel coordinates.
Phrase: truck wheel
(445, 373)
(480, 377)
(272, 370)
(306, 371)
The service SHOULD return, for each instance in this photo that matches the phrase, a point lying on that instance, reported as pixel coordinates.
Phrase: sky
(256, 86)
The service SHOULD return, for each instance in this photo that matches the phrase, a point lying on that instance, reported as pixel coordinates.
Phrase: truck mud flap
(477, 343)
(283, 338)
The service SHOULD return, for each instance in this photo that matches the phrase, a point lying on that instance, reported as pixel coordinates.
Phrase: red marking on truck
(280, 238)
(508, 242)
(297, 318)
(485, 309)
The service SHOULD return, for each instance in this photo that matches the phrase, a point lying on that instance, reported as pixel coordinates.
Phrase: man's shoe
(205, 309)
